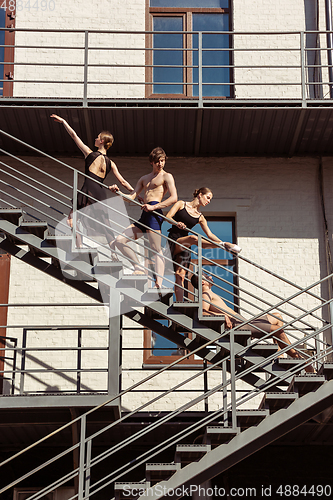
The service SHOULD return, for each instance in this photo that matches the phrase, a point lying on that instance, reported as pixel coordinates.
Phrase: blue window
(175, 56)
(161, 350)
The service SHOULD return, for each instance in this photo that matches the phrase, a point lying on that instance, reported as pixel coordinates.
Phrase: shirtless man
(214, 305)
(155, 186)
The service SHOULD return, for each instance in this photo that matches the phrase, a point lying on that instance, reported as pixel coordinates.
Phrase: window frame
(151, 361)
(8, 60)
(186, 12)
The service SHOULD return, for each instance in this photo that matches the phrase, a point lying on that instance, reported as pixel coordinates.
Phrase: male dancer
(155, 186)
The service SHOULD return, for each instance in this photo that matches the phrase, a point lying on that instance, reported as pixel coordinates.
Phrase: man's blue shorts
(153, 221)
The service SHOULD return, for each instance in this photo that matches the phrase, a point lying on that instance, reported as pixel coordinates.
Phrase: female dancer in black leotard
(97, 167)
(184, 216)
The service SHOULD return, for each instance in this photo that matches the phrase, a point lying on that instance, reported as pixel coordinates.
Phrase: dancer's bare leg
(179, 283)
(155, 241)
(281, 339)
(131, 233)
(70, 219)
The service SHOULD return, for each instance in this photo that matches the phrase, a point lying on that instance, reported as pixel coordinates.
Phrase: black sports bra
(183, 216)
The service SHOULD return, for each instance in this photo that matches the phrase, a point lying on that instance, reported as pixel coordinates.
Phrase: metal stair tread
(327, 370)
(191, 452)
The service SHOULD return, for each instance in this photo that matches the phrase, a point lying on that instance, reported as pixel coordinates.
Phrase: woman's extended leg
(281, 339)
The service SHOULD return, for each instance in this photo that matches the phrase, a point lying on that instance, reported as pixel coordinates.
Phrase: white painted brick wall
(279, 226)
(76, 15)
(272, 16)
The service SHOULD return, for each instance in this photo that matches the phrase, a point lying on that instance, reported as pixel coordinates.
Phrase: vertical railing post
(85, 74)
(82, 457)
(225, 393)
(79, 360)
(233, 380)
(200, 68)
(331, 321)
(303, 77)
(74, 219)
(24, 345)
(200, 274)
(87, 476)
(205, 384)
(115, 332)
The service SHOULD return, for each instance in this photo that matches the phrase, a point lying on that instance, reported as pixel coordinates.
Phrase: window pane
(212, 22)
(170, 57)
(206, 4)
(2, 49)
(224, 231)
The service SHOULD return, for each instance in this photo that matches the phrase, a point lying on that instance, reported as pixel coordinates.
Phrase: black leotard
(183, 257)
(89, 193)
(91, 188)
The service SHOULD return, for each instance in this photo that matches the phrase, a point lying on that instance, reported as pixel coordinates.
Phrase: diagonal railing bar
(43, 154)
(32, 178)
(38, 191)
(31, 206)
(297, 306)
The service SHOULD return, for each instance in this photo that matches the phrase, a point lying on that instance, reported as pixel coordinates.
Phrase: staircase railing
(309, 323)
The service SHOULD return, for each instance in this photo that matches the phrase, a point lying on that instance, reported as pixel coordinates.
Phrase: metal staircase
(289, 395)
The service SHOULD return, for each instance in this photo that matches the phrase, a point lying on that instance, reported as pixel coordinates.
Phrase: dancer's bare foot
(138, 271)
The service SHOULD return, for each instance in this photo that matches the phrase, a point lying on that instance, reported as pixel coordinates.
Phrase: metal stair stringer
(136, 299)
(244, 444)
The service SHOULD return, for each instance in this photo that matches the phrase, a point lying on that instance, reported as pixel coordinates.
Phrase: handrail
(300, 81)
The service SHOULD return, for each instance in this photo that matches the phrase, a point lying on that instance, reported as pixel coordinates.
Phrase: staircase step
(62, 242)
(130, 490)
(187, 308)
(156, 472)
(274, 401)
(306, 383)
(186, 453)
(219, 434)
(216, 323)
(37, 228)
(107, 267)
(165, 295)
(327, 370)
(13, 215)
(138, 281)
(288, 363)
(247, 418)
